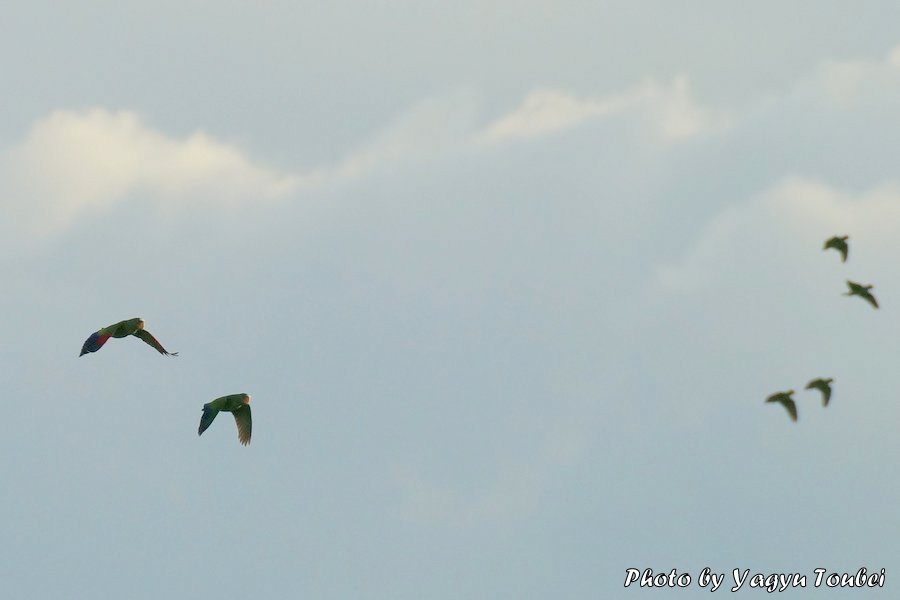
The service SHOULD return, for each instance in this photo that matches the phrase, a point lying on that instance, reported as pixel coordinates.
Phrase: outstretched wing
(148, 338)
(822, 386)
(826, 393)
(838, 244)
(791, 407)
(209, 415)
(870, 298)
(244, 423)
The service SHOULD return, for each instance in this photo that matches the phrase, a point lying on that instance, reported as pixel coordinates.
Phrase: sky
(508, 283)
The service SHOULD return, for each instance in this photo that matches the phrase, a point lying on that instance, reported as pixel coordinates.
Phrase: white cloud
(73, 162)
(850, 84)
(670, 110)
(431, 128)
(893, 57)
(793, 215)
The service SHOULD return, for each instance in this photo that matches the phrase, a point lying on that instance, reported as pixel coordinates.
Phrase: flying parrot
(838, 243)
(823, 385)
(122, 329)
(862, 291)
(784, 398)
(236, 404)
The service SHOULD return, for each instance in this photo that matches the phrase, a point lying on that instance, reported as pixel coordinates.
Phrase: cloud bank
(73, 162)
(669, 110)
(803, 212)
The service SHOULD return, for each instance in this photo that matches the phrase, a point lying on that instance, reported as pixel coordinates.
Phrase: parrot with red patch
(122, 329)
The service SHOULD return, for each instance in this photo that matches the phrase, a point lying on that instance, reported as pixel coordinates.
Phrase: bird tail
(94, 343)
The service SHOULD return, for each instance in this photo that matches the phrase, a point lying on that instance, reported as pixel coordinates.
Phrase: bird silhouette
(236, 404)
(839, 244)
(122, 329)
(784, 398)
(824, 386)
(857, 289)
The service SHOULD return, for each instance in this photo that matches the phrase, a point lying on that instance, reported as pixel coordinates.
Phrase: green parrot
(824, 386)
(785, 399)
(122, 329)
(236, 404)
(857, 289)
(839, 244)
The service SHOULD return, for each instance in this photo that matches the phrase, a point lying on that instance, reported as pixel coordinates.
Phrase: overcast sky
(508, 282)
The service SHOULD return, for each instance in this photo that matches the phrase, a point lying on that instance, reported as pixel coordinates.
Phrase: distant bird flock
(838, 243)
(237, 404)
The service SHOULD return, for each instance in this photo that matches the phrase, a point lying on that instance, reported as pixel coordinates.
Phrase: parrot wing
(148, 338)
(244, 424)
(209, 415)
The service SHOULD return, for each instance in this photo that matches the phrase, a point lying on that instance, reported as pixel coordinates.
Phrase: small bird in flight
(122, 329)
(824, 386)
(785, 399)
(839, 244)
(236, 404)
(862, 291)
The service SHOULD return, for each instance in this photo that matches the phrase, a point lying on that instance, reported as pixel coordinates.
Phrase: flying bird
(824, 386)
(785, 399)
(122, 329)
(839, 244)
(236, 404)
(862, 291)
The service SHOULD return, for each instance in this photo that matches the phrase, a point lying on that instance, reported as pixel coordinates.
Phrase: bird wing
(819, 384)
(791, 407)
(871, 299)
(209, 415)
(826, 393)
(147, 337)
(243, 422)
(838, 244)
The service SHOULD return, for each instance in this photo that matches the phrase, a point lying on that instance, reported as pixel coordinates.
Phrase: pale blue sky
(508, 283)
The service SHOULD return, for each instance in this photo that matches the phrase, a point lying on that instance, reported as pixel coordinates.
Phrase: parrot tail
(94, 343)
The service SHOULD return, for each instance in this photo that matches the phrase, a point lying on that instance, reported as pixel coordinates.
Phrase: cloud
(670, 110)
(893, 57)
(852, 84)
(429, 129)
(772, 228)
(74, 162)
